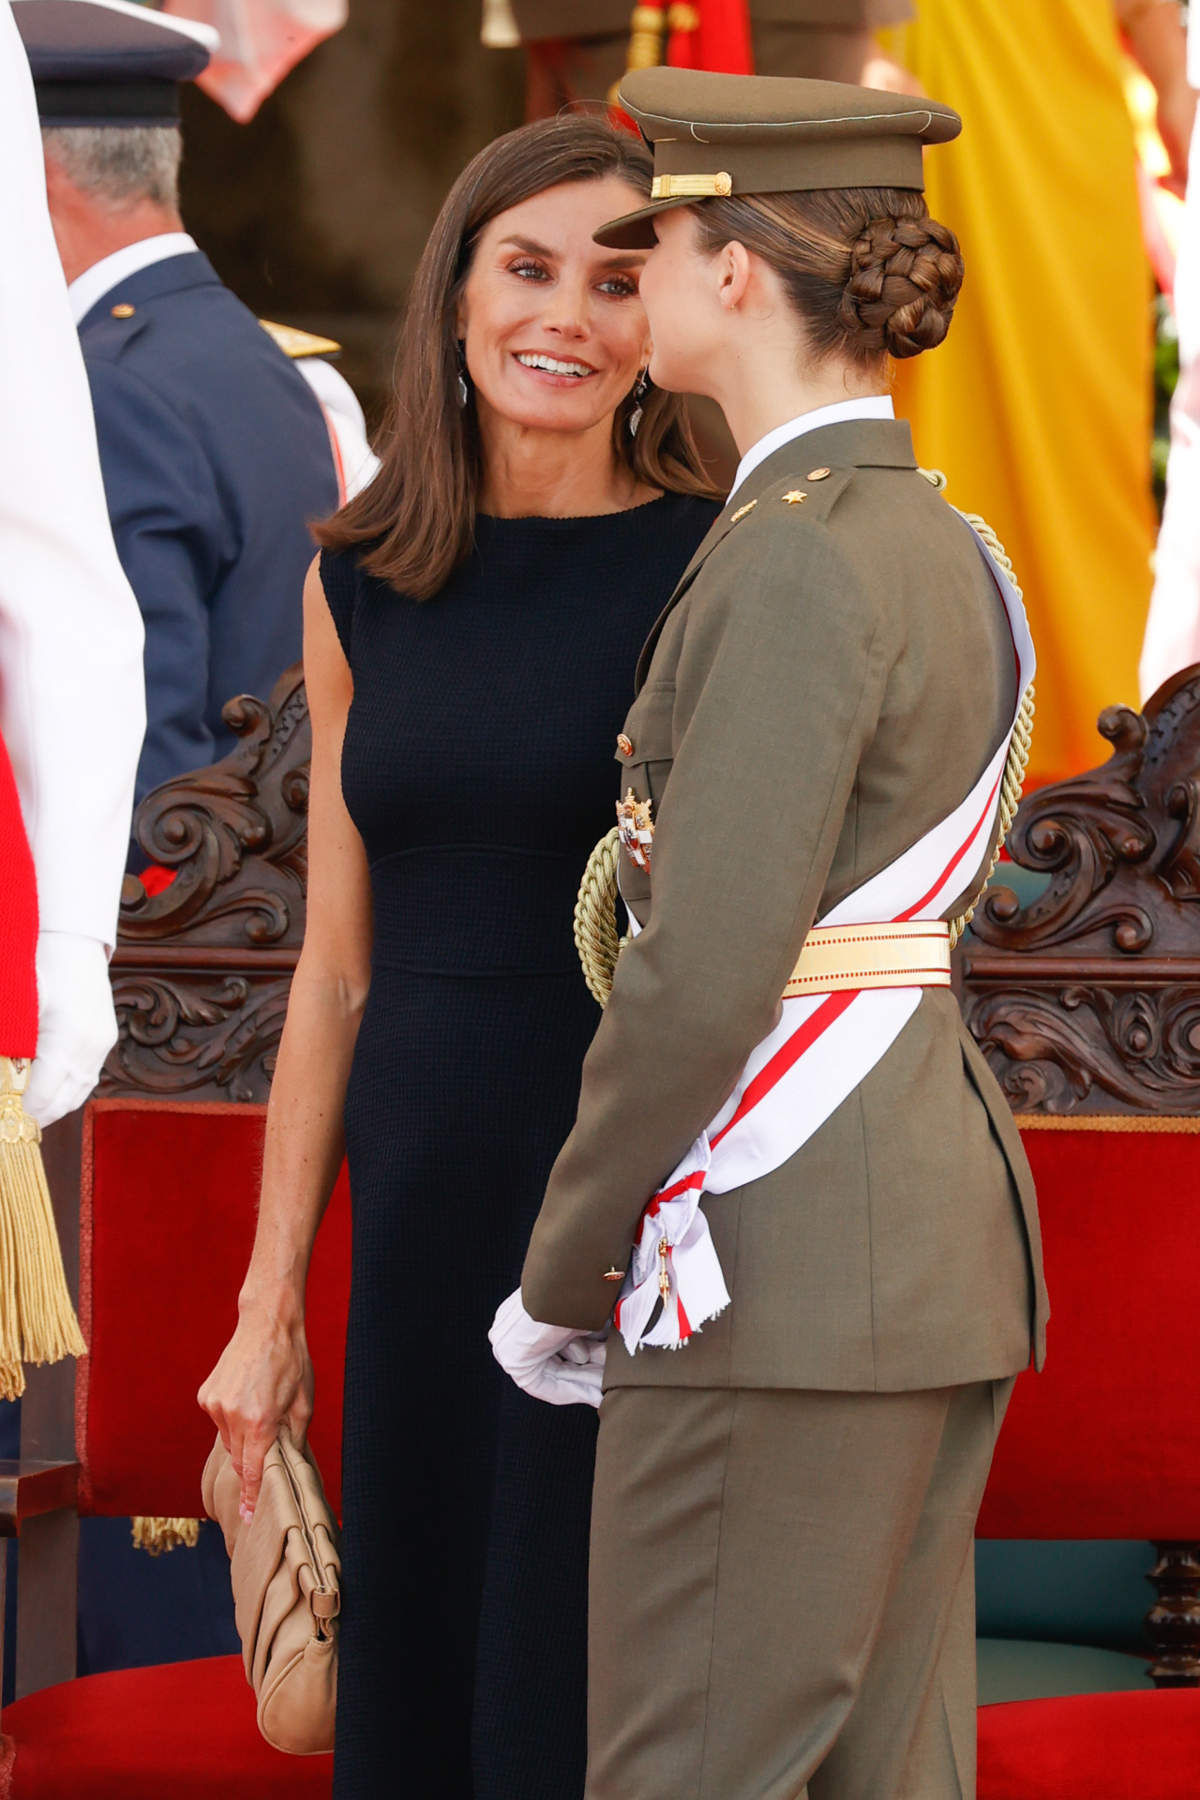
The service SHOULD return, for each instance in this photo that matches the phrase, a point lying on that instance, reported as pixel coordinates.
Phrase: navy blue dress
(478, 769)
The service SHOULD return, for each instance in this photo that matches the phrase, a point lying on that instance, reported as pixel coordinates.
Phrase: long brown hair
(419, 512)
(868, 272)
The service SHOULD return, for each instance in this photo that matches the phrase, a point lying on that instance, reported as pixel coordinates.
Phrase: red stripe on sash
(956, 858)
(787, 1054)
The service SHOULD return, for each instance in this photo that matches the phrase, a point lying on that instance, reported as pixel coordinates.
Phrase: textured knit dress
(478, 769)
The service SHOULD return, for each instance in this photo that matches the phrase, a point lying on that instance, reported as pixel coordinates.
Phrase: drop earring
(639, 394)
(462, 390)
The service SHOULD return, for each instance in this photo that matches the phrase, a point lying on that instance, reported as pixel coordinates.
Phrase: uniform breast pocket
(645, 749)
(644, 753)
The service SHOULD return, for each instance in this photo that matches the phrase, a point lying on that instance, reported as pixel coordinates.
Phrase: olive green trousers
(782, 1593)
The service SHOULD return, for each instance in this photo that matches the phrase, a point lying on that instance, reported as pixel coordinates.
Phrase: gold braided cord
(1018, 750)
(596, 937)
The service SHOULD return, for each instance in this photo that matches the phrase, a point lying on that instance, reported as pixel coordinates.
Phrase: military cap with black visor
(716, 136)
(106, 62)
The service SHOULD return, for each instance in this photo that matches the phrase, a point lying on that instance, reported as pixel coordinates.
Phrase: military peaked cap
(108, 62)
(716, 135)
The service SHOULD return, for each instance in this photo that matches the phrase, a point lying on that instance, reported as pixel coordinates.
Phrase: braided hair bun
(904, 280)
(867, 271)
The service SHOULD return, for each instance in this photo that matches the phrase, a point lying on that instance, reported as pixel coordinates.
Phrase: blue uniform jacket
(215, 457)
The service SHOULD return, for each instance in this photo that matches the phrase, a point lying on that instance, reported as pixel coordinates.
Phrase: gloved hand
(551, 1362)
(77, 1026)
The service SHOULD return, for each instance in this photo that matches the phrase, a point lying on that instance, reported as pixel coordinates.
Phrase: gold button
(794, 498)
(817, 474)
(625, 745)
(614, 1274)
(124, 310)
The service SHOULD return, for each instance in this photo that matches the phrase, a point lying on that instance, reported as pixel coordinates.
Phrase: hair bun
(904, 279)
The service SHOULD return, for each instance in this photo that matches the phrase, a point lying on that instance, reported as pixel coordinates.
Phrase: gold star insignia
(794, 498)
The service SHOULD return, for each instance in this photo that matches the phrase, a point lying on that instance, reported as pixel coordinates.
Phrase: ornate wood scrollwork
(202, 968)
(1087, 999)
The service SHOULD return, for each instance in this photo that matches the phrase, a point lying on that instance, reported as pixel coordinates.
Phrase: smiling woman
(482, 604)
(522, 361)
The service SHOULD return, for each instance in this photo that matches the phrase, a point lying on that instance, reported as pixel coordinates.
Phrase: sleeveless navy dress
(478, 770)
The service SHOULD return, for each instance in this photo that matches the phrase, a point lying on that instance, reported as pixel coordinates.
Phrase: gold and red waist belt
(841, 958)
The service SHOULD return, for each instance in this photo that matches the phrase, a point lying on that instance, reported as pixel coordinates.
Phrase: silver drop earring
(639, 392)
(462, 390)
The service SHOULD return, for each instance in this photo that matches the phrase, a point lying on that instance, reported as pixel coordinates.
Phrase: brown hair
(419, 512)
(868, 271)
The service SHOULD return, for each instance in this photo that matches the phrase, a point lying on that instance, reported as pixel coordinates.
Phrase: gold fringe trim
(157, 1536)
(596, 937)
(37, 1319)
(1169, 1122)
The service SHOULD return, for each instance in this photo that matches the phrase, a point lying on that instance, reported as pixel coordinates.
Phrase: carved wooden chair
(1086, 1002)
(156, 1188)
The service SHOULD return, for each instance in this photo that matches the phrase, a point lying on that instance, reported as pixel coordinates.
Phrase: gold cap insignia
(692, 187)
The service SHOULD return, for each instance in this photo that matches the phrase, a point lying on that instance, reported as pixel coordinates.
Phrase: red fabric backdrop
(1105, 1443)
(156, 1170)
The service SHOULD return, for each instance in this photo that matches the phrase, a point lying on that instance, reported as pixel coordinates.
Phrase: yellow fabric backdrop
(1038, 406)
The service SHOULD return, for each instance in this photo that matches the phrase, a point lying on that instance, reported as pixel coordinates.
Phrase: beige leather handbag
(286, 1589)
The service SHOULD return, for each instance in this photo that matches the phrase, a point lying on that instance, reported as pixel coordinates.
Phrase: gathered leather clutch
(286, 1574)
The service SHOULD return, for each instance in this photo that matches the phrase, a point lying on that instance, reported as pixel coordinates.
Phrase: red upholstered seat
(1092, 1747)
(167, 1209)
(1106, 1442)
(181, 1731)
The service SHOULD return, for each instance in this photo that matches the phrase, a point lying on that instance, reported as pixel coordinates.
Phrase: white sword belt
(836, 958)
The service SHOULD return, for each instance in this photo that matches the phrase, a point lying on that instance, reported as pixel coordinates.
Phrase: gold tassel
(37, 1320)
(647, 31)
(157, 1536)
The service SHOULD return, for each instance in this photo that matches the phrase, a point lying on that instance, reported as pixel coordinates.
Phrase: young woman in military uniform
(781, 1579)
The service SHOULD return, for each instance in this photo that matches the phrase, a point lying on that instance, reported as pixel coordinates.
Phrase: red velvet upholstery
(182, 1731)
(1105, 1443)
(1134, 1746)
(167, 1220)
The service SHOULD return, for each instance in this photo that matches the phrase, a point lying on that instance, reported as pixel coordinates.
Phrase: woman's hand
(264, 1378)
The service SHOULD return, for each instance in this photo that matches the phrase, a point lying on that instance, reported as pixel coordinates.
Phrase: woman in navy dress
(470, 636)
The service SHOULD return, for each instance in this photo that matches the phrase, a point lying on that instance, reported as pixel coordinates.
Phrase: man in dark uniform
(214, 449)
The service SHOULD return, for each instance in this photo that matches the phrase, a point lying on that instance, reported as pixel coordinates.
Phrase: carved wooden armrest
(28, 1489)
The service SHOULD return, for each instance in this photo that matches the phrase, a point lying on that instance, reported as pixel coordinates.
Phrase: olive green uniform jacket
(828, 681)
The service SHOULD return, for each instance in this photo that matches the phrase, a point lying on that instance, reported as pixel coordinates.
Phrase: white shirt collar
(110, 271)
(871, 406)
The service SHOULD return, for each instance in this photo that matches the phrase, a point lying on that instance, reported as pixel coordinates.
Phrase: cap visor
(633, 231)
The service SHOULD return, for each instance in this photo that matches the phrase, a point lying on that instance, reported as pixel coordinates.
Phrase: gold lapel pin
(614, 1274)
(817, 474)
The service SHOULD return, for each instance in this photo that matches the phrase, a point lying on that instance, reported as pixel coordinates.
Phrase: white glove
(551, 1362)
(77, 1026)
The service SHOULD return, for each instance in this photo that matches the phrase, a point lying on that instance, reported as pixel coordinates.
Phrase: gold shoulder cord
(596, 937)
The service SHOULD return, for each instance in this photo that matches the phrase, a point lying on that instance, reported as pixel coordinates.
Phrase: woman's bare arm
(264, 1374)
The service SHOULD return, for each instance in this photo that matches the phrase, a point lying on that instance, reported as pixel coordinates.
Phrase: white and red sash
(818, 1053)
